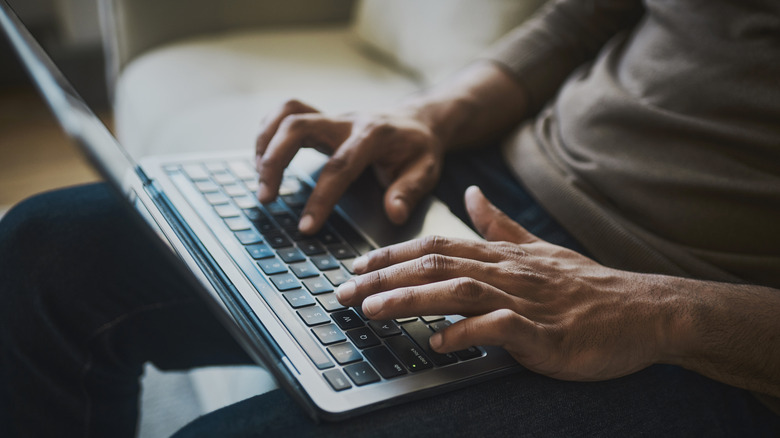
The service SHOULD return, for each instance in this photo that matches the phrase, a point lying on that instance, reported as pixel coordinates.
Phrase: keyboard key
(207, 187)
(265, 226)
(439, 325)
(248, 237)
(430, 319)
(245, 201)
(327, 237)
(216, 198)
(254, 214)
(330, 303)
(384, 328)
(227, 210)
(286, 221)
(237, 223)
(294, 199)
(318, 285)
(195, 172)
(291, 255)
(285, 281)
(224, 178)
(272, 266)
(347, 263)
(297, 236)
(275, 207)
(329, 334)
(252, 185)
(290, 185)
(234, 190)
(304, 269)
(276, 239)
(347, 319)
(324, 262)
(311, 247)
(405, 320)
(336, 380)
(363, 337)
(242, 170)
(341, 251)
(337, 276)
(384, 362)
(313, 315)
(469, 353)
(420, 333)
(359, 311)
(259, 251)
(298, 298)
(410, 354)
(361, 373)
(345, 353)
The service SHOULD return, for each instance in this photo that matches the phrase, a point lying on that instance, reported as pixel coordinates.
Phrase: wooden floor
(35, 155)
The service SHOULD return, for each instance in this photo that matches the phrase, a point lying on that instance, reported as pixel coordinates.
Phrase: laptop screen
(70, 109)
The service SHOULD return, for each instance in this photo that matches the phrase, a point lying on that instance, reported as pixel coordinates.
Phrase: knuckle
(433, 244)
(468, 289)
(434, 264)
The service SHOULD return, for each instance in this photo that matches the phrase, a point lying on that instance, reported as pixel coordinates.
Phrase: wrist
(675, 328)
(442, 115)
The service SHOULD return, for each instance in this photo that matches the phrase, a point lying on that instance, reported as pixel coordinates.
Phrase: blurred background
(35, 155)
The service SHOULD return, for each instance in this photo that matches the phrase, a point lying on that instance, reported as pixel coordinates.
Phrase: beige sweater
(657, 141)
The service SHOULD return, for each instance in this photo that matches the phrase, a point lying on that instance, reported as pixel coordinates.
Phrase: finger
(457, 296)
(271, 123)
(414, 249)
(414, 182)
(501, 328)
(427, 269)
(491, 222)
(346, 164)
(295, 131)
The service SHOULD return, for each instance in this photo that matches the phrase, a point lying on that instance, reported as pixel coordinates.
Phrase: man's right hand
(405, 152)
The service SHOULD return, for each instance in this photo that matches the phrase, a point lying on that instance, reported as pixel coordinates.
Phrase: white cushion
(434, 38)
(210, 93)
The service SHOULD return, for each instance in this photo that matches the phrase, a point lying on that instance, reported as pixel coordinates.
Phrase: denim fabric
(86, 300)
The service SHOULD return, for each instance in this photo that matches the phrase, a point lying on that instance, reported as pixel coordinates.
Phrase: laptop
(271, 286)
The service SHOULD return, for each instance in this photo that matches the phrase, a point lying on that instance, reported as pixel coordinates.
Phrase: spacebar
(302, 335)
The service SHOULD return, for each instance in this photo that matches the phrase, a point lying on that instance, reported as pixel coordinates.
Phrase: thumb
(491, 222)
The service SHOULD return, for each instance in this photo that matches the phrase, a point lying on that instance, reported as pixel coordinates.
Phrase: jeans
(86, 301)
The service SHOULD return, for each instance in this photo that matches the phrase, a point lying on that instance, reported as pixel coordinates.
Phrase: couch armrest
(131, 27)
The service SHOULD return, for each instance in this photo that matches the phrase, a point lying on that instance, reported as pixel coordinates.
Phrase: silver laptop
(271, 286)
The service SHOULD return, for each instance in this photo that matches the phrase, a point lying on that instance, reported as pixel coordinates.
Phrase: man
(645, 135)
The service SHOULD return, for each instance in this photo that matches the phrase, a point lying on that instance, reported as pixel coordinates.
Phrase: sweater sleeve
(562, 35)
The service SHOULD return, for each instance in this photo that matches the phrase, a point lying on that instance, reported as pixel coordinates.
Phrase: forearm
(728, 332)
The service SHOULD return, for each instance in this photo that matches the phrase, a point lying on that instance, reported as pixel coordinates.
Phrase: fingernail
(345, 291)
(306, 223)
(373, 305)
(360, 264)
(435, 341)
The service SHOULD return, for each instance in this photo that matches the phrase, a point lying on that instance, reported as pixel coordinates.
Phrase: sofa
(196, 75)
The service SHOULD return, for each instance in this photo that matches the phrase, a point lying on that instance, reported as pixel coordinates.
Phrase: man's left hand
(555, 311)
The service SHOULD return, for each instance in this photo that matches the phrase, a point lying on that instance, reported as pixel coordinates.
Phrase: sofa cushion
(434, 38)
(211, 92)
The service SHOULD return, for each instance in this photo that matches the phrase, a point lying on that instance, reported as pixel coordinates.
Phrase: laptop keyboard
(305, 270)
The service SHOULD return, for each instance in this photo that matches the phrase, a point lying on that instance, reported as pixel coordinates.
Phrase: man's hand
(405, 152)
(556, 311)
(405, 145)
